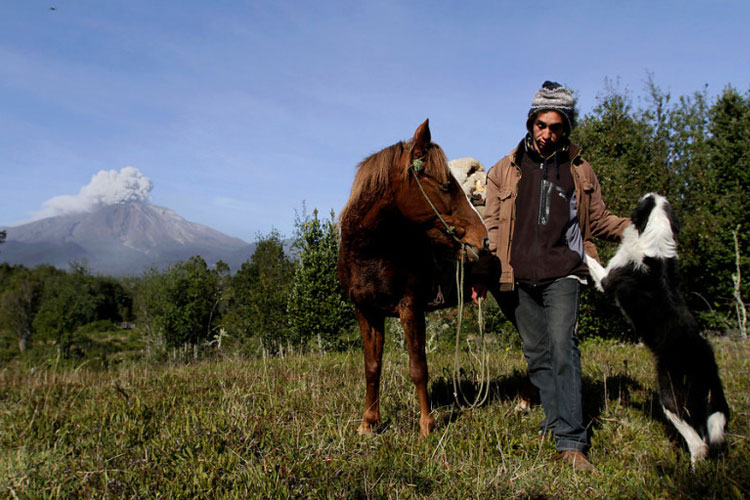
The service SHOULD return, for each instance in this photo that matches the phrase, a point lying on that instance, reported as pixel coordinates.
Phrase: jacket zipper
(536, 227)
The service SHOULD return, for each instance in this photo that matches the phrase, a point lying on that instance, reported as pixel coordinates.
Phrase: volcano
(123, 239)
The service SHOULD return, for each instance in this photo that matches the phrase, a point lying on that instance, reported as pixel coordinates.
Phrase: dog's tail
(718, 413)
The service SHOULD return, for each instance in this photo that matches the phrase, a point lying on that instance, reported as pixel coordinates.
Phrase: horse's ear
(422, 139)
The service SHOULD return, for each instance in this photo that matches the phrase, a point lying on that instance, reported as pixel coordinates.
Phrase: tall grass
(285, 427)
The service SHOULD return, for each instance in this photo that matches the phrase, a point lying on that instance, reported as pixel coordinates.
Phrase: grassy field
(285, 427)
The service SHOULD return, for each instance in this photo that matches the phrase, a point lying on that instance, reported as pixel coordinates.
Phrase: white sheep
(471, 176)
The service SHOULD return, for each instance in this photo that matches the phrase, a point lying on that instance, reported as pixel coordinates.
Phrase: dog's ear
(674, 222)
(642, 212)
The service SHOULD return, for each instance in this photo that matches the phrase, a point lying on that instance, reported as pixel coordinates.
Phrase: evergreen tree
(6, 273)
(317, 306)
(260, 291)
(182, 304)
(19, 304)
(695, 154)
(66, 304)
(619, 145)
(730, 160)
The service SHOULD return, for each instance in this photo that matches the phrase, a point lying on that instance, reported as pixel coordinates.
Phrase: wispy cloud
(234, 204)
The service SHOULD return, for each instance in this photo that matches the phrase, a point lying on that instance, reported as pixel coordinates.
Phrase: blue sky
(239, 111)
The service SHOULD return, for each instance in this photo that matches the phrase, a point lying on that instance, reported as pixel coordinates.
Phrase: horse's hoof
(426, 425)
(523, 406)
(366, 429)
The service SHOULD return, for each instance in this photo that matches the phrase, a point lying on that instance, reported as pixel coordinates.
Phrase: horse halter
(417, 169)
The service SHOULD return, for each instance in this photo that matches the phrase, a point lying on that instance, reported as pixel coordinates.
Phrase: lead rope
(483, 392)
(484, 370)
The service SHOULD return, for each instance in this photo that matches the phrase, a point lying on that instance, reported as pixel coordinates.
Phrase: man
(544, 206)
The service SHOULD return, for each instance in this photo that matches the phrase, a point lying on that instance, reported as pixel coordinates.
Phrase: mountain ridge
(123, 239)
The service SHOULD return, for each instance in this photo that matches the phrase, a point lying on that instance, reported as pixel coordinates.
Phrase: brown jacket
(500, 213)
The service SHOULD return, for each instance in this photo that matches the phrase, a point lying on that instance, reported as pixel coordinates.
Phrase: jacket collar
(574, 151)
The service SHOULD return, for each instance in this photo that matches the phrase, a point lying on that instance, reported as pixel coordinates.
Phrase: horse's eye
(445, 187)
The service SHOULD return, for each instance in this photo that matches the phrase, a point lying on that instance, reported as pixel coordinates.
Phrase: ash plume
(107, 187)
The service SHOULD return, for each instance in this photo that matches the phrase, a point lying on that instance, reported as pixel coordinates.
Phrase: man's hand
(478, 292)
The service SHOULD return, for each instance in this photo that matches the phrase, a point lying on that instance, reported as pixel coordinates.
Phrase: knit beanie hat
(554, 97)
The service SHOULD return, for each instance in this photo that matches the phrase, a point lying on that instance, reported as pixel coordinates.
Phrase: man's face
(547, 129)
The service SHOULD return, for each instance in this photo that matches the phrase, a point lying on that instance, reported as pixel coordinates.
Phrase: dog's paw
(597, 272)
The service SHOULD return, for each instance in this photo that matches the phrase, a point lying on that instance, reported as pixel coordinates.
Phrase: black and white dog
(642, 276)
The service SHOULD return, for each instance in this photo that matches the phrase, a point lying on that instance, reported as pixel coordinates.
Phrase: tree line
(274, 299)
(694, 150)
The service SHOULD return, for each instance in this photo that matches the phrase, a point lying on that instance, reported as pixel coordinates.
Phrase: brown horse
(405, 215)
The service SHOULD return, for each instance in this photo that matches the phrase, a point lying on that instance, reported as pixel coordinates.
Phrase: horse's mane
(374, 174)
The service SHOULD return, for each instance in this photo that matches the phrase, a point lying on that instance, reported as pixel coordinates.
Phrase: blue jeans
(545, 317)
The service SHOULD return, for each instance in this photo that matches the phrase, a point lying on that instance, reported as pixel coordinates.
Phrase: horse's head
(430, 196)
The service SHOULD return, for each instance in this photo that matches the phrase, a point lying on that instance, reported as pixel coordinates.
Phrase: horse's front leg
(372, 327)
(412, 319)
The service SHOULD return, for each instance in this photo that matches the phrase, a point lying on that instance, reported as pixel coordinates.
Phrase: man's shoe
(575, 458)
